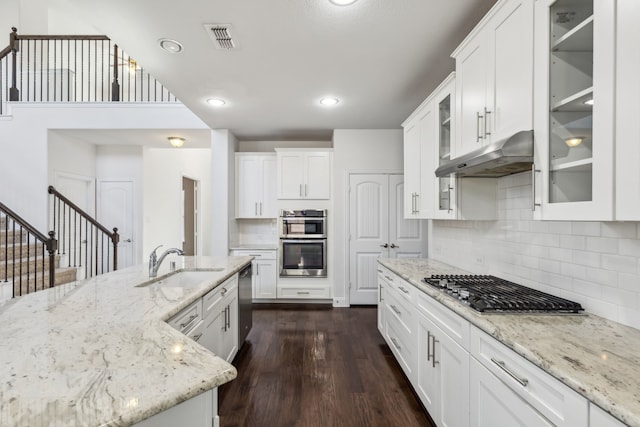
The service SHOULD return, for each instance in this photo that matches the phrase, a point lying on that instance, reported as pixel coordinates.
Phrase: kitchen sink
(183, 279)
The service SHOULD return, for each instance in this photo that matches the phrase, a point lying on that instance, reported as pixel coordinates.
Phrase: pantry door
(377, 228)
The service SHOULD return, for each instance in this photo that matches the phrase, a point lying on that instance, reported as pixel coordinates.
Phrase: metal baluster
(13, 256)
(6, 242)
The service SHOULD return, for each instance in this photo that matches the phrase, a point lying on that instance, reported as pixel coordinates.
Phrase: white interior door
(407, 237)
(369, 231)
(115, 209)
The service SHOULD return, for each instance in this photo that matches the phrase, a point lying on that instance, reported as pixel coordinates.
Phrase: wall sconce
(176, 141)
(574, 141)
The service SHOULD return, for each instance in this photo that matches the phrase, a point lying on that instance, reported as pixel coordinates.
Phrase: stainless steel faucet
(154, 261)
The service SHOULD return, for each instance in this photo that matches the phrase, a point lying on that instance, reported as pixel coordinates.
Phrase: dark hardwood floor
(312, 365)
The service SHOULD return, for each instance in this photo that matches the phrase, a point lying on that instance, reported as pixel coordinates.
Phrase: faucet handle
(153, 253)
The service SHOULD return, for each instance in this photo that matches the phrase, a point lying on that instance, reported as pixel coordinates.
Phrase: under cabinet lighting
(176, 141)
(574, 142)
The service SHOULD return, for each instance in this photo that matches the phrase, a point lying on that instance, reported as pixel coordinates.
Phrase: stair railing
(73, 68)
(84, 243)
(19, 240)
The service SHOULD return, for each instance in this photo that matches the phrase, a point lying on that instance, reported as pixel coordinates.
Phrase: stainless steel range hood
(505, 157)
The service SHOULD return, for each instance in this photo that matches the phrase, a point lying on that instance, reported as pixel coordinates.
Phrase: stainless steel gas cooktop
(490, 294)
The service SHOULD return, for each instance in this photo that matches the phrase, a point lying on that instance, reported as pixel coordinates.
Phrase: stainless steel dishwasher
(245, 300)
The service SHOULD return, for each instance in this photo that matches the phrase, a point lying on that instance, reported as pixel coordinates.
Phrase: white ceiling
(381, 58)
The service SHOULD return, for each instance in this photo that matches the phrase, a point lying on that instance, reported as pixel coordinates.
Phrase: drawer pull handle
(255, 254)
(403, 289)
(503, 366)
(197, 337)
(224, 291)
(434, 362)
(396, 345)
(191, 319)
(394, 308)
(428, 346)
(388, 278)
(303, 293)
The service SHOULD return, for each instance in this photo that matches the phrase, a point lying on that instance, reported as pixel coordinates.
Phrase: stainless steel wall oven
(303, 243)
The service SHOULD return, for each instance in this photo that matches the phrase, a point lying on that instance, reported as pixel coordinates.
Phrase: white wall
(70, 157)
(594, 263)
(162, 195)
(24, 162)
(356, 151)
(223, 148)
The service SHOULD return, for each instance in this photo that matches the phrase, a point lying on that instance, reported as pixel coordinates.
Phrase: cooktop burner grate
(491, 294)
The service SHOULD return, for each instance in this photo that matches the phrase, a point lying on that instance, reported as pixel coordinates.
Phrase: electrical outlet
(480, 259)
(340, 302)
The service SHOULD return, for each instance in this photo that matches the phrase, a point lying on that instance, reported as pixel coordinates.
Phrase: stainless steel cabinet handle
(388, 278)
(386, 245)
(403, 289)
(303, 293)
(306, 190)
(395, 343)
(394, 308)
(300, 190)
(486, 116)
(197, 337)
(417, 203)
(449, 190)
(191, 318)
(380, 293)
(478, 135)
(428, 346)
(503, 366)
(434, 362)
(228, 317)
(224, 291)
(256, 208)
(533, 187)
(224, 325)
(260, 208)
(257, 269)
(393, 245)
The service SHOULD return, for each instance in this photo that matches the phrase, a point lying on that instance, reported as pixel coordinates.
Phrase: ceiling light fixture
(574, 141)
(329, 101)
(216, 102)
(342, 2)
(171, 46)
(176, 141)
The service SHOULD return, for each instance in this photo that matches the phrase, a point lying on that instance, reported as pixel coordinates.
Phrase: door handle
(386, 245)
(125, 240)
(393, 245)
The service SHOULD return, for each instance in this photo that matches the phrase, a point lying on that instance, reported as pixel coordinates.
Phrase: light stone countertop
(598, 358)
(97, 352)
(256, 246)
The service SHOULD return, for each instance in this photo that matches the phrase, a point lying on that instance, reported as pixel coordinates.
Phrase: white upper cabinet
(494, 77)
(628, 111)
(256, 185)
(574, 109)
(442, 145)
(304, 174)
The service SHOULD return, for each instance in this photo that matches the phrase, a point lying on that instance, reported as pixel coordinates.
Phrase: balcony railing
(71, 68)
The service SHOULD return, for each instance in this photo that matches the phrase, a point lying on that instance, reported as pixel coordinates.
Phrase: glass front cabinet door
(443, 100)
(573, 110)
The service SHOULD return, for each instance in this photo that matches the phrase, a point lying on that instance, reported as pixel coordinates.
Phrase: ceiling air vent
(221, 36)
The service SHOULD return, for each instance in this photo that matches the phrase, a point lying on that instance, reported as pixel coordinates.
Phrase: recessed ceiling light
(342, 2)
(329, 101)
(171, 46)
(216, 102)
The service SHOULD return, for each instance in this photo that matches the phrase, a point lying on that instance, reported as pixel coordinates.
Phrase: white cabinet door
(494, 404)
(213, 331)
(229, 345)
(317, 183)
(265, 275)
(382, 290)
(442, 375)
(574, 110)
(494, 77)
(255, 186)
(627, 111)
(290, 175)
(599, 418)
(411, 167)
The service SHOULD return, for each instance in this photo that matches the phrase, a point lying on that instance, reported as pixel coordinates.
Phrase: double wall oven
(303, 243)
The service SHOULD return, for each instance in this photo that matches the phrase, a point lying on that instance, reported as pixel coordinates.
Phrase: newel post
(115, 86)
(52, 247)
(115, 238)
(14, 94)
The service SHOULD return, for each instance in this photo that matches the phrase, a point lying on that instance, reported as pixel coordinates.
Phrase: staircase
(24, 262)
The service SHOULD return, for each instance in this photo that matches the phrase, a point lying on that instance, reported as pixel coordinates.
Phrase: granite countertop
(598, 358)
(256, 246)
(97, 352)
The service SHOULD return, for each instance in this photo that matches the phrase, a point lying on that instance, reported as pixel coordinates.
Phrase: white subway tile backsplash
(594, 263)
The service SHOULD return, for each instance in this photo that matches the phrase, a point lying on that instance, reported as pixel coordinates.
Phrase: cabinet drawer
(213, 298)
(451, 324)
(188, 317)
(257, 254)
(554, 400)
(401, 345)
(402, 310)
(404, 288)
(319, 292)
(197, 331)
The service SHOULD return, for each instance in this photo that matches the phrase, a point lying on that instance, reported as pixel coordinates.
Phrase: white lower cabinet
(506, 387)
(199, 411)
(442, 374)
(382, 290)
(264, 271)
(220, 334)
(599, 418)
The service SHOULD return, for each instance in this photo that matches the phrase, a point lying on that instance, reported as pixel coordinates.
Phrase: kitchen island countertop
(97, 352)
(598, 358)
